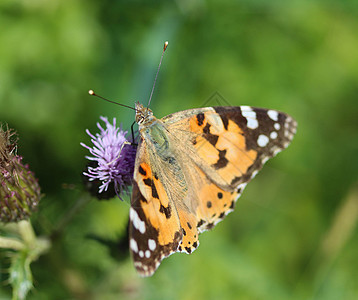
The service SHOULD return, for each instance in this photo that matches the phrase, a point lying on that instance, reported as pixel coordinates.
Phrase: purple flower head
(113, 157)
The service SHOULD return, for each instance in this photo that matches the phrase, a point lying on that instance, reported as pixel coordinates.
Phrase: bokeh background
(294, 232)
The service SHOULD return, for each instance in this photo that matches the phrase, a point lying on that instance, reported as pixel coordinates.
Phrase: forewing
(227, 146)
(230, 144)
(154, 230)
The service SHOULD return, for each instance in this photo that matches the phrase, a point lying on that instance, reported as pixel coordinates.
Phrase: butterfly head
(143, 115)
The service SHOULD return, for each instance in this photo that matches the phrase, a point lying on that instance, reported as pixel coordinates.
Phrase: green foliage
(291, 235)
(23, 248)
(20, 275)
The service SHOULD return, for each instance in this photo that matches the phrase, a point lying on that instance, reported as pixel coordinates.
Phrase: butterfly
(190, 169)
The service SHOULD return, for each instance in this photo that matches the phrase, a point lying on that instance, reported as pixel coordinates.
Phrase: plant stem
(27, 232)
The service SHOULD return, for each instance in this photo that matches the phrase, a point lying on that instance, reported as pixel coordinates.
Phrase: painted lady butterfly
(190, 169)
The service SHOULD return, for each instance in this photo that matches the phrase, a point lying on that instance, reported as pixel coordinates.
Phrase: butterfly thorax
(152, 130)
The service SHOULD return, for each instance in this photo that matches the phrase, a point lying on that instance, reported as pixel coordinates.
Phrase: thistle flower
(19, 189)
(111, 165)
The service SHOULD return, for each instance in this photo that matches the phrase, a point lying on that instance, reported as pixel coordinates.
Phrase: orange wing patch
(222, 146)
(214, 204)
(233, 142)
(156, 206)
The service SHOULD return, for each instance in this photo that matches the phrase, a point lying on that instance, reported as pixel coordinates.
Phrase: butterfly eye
(143, 116)
(140, 119)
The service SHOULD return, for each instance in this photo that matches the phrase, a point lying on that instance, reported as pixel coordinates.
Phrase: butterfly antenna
(155, 80)
(92, 93)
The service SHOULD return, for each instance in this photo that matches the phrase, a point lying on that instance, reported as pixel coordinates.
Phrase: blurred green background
(294, 232)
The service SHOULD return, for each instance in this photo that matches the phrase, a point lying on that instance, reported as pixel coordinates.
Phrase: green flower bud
(19, 189)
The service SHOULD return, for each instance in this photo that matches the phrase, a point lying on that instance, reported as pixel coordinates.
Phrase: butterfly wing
(154, 228)
(222, 148)
(213, 152)
(230, 144)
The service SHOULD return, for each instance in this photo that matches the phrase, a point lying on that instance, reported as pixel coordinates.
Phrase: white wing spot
(273, 135)
(277, 126)
(147, 254)
(290, 136)
(276, 151)
(250, 116)
(254, 174)
(151, 244)
(241, 187)
(263, 140)
(287, 133)
(138, 264)
(273, 114)
(137, 222)
(141, 253)
(134, 245)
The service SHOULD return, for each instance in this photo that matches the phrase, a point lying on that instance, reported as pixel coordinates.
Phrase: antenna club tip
(91, 92)
(165, 45)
